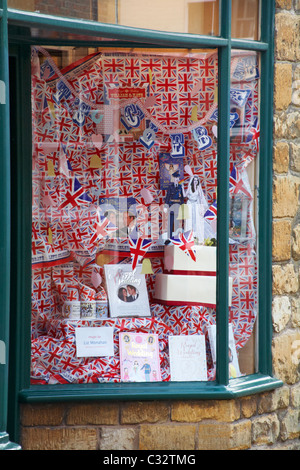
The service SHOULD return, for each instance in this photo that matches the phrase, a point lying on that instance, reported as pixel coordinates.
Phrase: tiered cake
(186, 281)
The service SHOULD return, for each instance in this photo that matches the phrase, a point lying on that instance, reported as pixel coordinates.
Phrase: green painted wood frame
(15, 292)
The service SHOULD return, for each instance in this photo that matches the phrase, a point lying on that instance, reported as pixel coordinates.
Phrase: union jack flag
(254, 133)
(211, 212)
(186, 243)
(236, 183)
(75, 195)
(138, 250)
(104, 228)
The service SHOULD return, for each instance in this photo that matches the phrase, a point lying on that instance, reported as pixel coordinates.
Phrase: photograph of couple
(128, 293)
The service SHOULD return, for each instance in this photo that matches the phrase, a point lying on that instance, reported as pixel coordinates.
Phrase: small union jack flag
(236, 183)
(75, 196)
(138, 250)
(103, 229)
(186, 243)
(211, 212)
(254, 133)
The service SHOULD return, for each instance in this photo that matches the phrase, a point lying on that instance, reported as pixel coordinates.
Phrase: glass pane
(243, 195)
(245, 19)
(124, 204)
(243, 207)
(183, 16)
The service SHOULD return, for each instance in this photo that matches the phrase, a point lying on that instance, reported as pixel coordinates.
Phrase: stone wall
(264, 421)
(286, 212)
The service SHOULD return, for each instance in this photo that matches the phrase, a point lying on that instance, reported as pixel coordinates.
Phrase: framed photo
(127, 291)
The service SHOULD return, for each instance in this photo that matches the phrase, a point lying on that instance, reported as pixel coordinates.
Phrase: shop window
(150, 212)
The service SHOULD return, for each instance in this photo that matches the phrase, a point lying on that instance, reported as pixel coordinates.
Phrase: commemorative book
(234, 369)
(139, 357)
(127, 291)
(187, 358)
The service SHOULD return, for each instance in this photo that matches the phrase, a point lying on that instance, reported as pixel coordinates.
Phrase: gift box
(183, 290)
(176, 261)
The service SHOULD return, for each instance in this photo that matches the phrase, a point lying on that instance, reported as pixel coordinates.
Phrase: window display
(124, 212)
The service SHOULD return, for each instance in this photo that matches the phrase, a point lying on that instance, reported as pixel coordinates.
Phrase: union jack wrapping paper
(99, 126)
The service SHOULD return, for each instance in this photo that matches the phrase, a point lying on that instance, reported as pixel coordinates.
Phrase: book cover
(126, 290)
(238, 216)
(139, 357)
(187, 358)
(234, 369)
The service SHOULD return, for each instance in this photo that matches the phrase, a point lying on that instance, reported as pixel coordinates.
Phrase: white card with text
(94, 341)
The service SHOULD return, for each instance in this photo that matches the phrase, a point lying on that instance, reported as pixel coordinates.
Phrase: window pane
(243, 193)
(183, 16)
(124, 204)
(245, 19)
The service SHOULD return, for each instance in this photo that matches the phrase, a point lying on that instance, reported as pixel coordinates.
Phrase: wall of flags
(100, 127)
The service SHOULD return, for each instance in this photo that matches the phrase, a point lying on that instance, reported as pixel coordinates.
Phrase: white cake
(180, 289)
(178, 262)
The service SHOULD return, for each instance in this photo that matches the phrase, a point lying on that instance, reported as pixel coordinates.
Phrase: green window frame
(15, 209)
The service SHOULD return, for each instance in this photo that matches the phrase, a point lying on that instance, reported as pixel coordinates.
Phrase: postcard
(94, 341)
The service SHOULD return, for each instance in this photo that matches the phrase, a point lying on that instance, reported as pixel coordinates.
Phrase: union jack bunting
(186, 243)
(103, 228)
(138, 250)
(75, 195)
(254, 133)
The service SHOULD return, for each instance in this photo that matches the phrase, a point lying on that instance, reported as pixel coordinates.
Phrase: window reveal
(124, 173)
